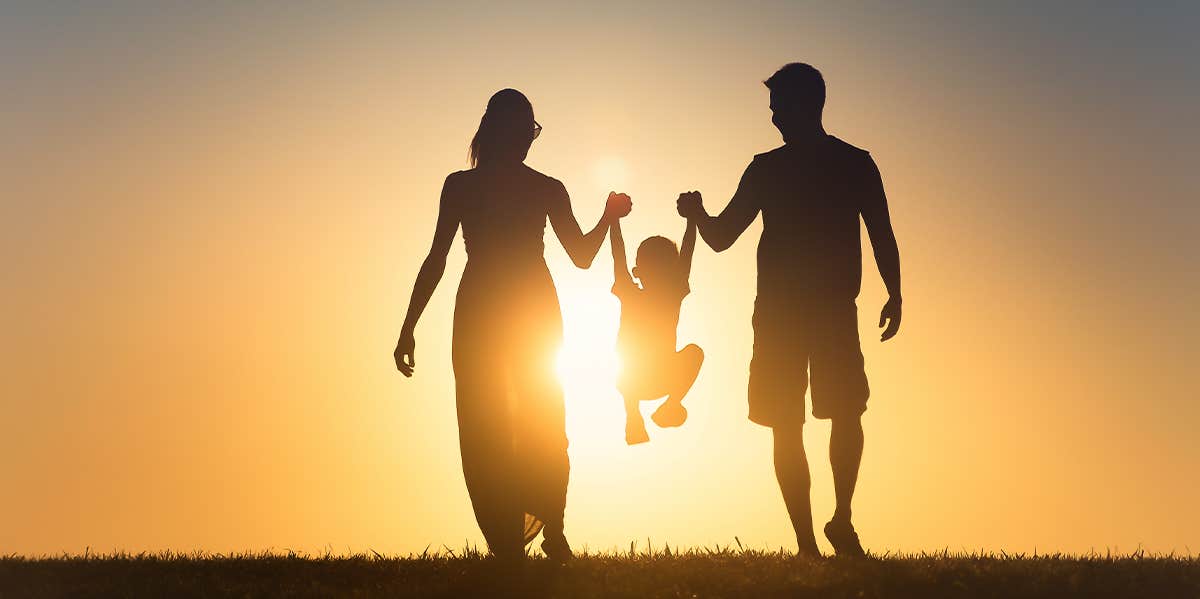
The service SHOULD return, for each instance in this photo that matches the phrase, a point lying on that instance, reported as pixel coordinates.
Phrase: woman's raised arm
(582, 248)
(428, 277)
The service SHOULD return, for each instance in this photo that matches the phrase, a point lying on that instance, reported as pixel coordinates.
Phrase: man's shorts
(795, 343)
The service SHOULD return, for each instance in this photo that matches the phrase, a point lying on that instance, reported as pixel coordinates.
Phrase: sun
(587, 362)
(611, 173)
(589, 369)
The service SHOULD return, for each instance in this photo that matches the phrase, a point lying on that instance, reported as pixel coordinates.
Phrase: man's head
(657, 259)
(797, 99)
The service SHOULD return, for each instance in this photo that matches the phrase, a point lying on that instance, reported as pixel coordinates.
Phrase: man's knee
(850, 423)
(791, 463)
(790, 434)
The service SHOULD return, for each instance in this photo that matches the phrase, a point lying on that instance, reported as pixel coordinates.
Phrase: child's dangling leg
(635, 426)
(671, 412)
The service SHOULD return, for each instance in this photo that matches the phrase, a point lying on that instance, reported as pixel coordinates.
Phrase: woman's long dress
(507, 330)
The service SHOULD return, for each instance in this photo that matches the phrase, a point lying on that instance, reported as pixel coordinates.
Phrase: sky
(211, 217)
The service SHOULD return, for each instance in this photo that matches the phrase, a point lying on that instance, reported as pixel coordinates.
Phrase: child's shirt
(649, 318)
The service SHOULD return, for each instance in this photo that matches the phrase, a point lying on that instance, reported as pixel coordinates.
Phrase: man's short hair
(798, 85)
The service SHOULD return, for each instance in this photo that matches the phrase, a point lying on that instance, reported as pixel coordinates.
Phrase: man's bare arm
(720, 231)
(887, 254)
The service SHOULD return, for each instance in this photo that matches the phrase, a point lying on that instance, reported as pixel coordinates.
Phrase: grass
(662, 572)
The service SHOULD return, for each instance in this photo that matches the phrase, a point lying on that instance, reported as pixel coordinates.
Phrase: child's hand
(618, 206)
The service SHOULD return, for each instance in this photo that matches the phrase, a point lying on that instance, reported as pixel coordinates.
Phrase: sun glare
(588, 362)
(611, 173)
(580, 367)
(588, 365)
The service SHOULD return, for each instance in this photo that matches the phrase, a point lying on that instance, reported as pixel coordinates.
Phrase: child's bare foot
(635, 431)
(669, 414)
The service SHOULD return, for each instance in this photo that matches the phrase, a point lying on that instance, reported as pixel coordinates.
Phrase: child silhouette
(650, 365)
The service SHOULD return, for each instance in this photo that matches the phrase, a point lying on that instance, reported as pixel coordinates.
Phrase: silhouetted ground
(662, 573)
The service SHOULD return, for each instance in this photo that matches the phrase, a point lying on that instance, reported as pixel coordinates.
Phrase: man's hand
(690, 205)
(405, 354)
(891, 315)
(617, 206)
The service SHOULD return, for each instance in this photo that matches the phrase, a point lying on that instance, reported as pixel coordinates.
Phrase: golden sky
(211, 217)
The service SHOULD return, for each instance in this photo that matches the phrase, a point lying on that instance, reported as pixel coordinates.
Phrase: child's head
(657, 258)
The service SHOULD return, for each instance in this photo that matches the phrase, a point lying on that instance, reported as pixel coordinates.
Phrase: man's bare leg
(791, 469)
(845, 455)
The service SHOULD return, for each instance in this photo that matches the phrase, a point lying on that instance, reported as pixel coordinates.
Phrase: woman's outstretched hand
(405, 353)
(617, 206)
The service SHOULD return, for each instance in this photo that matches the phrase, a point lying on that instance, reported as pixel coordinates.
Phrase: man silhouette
(811, 192)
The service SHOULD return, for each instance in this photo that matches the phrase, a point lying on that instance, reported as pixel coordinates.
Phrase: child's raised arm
(686, 249)
(621, 275)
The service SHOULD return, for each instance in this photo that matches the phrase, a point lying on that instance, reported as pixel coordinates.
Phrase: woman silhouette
(507, 328)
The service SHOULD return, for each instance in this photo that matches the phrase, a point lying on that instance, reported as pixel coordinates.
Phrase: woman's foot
(556, 547)
(669, 414)
(509, 559)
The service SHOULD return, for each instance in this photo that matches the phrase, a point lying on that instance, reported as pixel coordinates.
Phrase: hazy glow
(612, 171)
(588, 360)
(211, 216)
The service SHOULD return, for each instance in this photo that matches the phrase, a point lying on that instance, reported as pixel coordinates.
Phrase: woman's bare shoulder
(458, 180)
(553, 187)
(456, 188)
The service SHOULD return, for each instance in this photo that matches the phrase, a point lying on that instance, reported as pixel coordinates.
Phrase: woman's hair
(506, 129)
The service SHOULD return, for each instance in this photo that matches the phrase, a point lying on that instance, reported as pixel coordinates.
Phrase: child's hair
(657, 253)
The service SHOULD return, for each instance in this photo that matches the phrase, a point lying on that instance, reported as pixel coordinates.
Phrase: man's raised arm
(720, 231)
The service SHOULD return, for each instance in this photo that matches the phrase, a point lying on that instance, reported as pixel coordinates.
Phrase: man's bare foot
(669, 414)
(843, 538)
